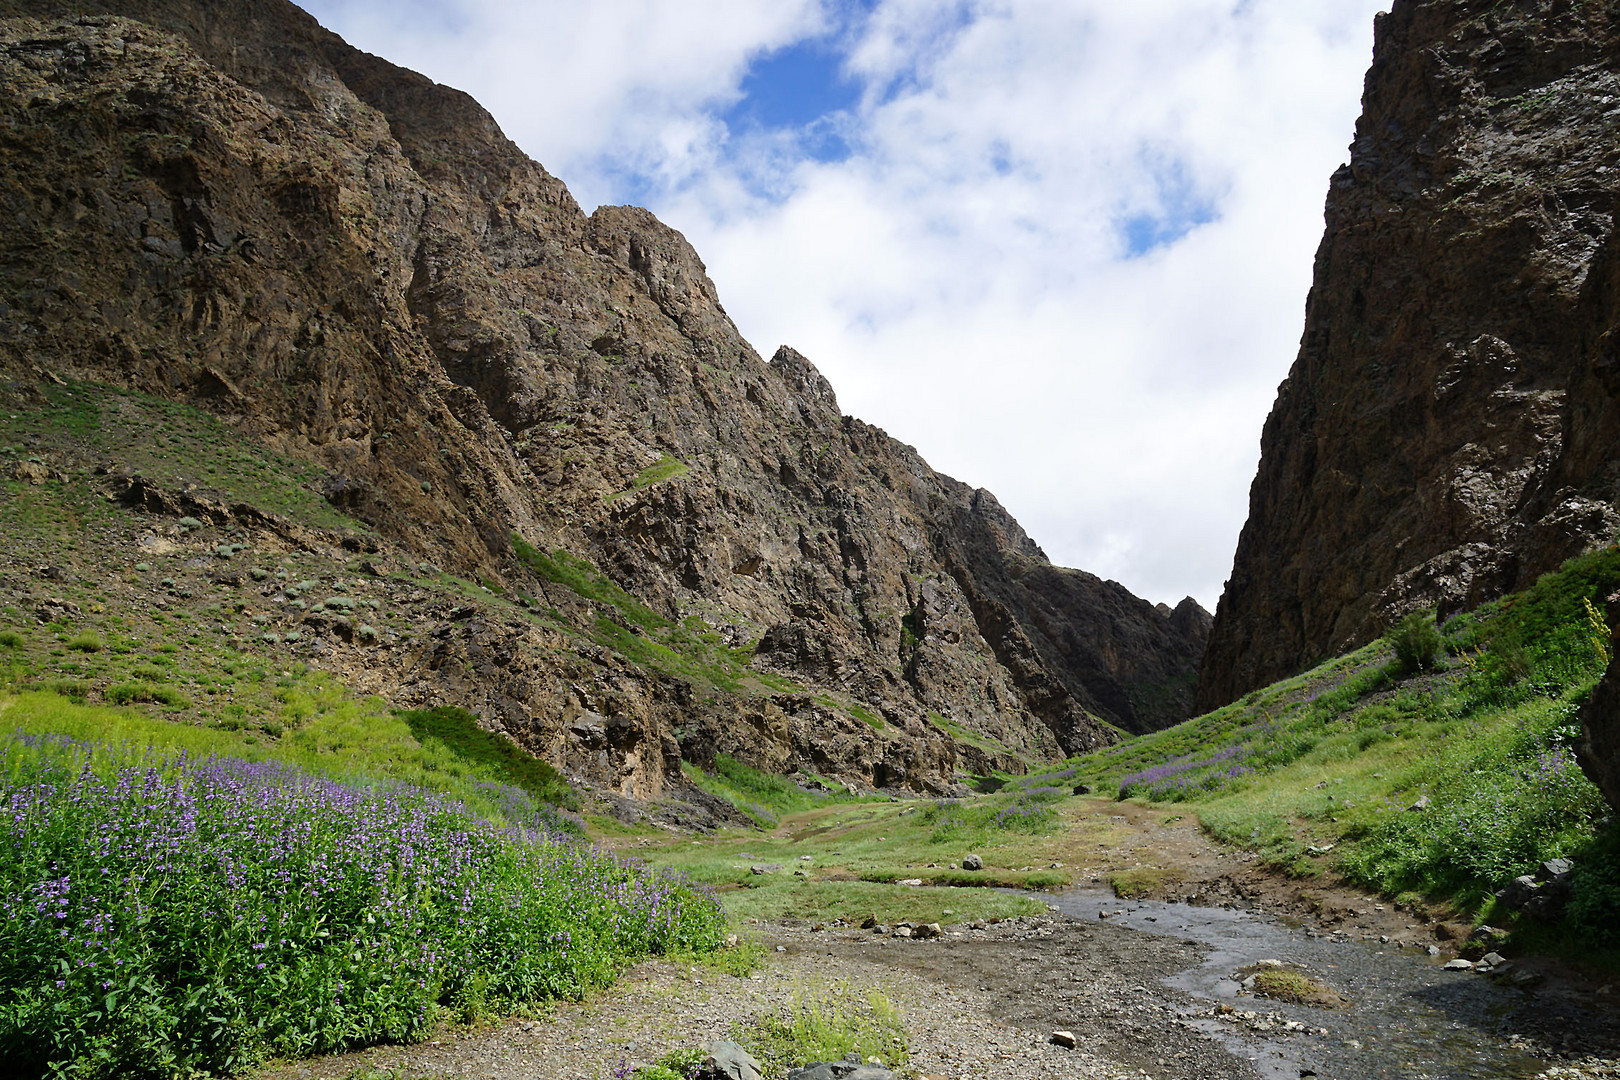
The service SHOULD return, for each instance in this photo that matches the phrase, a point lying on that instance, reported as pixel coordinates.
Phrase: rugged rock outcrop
(1449, 430)
(221, 202)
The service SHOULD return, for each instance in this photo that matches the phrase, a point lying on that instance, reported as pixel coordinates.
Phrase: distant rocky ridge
(218, 201)
(1450, 429)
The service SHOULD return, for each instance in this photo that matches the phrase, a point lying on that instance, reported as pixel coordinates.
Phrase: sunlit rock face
(220, 202)
(1449, 430)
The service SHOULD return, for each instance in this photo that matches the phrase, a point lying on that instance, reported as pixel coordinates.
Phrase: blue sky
(1060, 246)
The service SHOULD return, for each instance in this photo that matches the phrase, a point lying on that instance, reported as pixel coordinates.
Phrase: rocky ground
(976, 1002)
(984, 998)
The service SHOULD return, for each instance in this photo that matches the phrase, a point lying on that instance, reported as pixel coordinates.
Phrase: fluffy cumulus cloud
(1060, 246)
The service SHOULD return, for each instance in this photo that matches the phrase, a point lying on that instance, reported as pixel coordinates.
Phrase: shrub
(86, 642)
(1594, 906)
(1417, 644)
(10, 639)
(828, 1025)
(129, 693)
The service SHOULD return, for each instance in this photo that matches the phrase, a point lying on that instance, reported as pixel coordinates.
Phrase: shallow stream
(1408, 1017)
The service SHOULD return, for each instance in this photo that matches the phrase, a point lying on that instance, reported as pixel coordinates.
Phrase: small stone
(1421, 804)
(972, 862)
(1434, 950)
(1459, 964)
(1064, 1039)
(902, 931)
(927, 930)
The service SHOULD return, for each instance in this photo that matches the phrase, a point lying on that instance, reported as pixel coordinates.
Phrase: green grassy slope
(1440, 775)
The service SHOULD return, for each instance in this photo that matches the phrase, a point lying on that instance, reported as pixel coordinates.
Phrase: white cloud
(963, 277)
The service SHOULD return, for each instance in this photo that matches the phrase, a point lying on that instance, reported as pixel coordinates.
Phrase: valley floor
(984, 998)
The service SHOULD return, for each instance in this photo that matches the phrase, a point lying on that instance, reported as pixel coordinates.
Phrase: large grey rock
(1548, 902)
(1517, 892)
(725, 1060)
(972, 862)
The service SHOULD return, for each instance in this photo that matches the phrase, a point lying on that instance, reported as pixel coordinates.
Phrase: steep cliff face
(1449, 430)
(223, 203)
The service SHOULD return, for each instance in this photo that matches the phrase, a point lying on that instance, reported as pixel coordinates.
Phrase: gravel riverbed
(976, 1002)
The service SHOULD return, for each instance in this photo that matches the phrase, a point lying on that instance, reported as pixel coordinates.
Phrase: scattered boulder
(1459, 965)
(926, 931)
(972, 862)
(851, 1068)
(1064, 1039)
(725, 1060)
(1082, 789)
(1542, 897)
(1550, 899)
(31, 472)
(1516, 893)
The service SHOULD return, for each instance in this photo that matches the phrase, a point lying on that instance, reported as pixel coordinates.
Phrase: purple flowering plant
(172, 914)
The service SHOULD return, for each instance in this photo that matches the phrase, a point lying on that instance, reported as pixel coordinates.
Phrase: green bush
(828, 1025)
(86, 642)
(1594, 906)
(129, 693)
(10, 639)
(1417, 644)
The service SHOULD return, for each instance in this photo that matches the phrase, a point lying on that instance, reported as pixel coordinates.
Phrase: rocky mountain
(221, 203)
(1449, 430)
